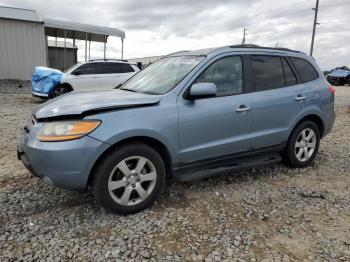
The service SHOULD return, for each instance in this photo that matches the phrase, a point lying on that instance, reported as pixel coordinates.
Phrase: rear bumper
(329, 124)
(65, 164)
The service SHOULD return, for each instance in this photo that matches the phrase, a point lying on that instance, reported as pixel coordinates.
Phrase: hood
(78, 103)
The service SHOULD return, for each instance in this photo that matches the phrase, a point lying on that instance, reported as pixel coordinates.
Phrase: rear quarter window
(306, 71)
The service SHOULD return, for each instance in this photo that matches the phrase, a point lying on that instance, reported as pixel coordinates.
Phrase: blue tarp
(45, 79)
(339, 73)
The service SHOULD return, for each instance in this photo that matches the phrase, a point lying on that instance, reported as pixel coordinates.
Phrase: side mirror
(202, 90)
(76, 72)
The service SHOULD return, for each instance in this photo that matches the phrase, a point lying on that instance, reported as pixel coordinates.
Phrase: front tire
(60, 90)
(302, 145)
(339, 82)
(129, 179)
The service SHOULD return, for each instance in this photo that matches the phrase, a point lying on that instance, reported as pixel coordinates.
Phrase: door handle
(242, 108)
(300, 98)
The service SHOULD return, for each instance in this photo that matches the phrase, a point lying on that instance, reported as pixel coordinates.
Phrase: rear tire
(129, 179)
(302, 145)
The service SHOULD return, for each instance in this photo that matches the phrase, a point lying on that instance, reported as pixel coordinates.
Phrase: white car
(95, 75)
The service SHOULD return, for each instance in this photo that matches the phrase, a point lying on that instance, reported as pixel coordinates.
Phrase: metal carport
(24, 40)
(78, 31)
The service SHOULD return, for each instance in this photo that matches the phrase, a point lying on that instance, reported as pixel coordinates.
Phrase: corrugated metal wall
(56, 57)
(22, 47)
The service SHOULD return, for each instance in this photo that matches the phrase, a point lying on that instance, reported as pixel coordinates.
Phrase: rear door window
(306, 71)
(289, 74)
(116, 68)
(268, 72)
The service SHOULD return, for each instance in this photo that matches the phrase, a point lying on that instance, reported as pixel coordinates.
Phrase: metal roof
(55, 27)
(61, 28)
(20, 14)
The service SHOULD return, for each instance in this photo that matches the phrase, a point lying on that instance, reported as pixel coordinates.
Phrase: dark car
(339, 77)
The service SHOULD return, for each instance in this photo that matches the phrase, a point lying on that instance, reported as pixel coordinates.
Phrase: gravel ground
(262, 214)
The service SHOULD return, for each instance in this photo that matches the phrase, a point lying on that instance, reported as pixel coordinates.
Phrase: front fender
(44, 79)
(147, 134)
(158, 122)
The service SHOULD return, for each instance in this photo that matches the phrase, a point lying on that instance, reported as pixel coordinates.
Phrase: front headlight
(66, 130)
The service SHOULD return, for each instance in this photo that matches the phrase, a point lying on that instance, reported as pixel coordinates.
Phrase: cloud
(156, 27)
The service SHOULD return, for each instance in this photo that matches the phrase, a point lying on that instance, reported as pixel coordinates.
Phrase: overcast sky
(158, 27)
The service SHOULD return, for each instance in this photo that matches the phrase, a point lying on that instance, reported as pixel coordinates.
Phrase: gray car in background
(189, 115)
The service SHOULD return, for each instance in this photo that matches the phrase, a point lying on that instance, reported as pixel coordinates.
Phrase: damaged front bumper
(41, 95)
(66, 164)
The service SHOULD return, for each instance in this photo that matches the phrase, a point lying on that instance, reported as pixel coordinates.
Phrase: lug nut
(133, 185)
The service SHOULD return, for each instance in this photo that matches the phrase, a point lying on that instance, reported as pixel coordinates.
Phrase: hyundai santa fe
(191, 114)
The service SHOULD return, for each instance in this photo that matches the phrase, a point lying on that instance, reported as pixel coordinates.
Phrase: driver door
(218, 127)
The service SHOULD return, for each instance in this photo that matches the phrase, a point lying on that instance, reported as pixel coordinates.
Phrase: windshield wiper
(132, 90)
(127, 89)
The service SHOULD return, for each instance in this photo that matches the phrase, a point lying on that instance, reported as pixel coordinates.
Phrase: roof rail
(101, 59)
(245, 46)
(264, 47)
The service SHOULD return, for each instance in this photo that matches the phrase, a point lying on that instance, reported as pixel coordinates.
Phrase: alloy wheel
(305, 144)
(132, 180)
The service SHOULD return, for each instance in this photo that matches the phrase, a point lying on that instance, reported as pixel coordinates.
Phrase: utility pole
(244, 34)
(314, 28)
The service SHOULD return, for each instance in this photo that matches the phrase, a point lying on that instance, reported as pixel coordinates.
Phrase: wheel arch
(61, 84)
(67, 85)
(150, 141)
(311, 117)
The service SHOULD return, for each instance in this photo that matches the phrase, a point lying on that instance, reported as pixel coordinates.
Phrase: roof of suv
(247, 47)
(109, 60)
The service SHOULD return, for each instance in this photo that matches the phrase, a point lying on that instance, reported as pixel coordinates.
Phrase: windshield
(69, 68)
(163, 75)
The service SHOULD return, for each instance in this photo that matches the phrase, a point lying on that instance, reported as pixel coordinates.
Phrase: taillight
(332, 90)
